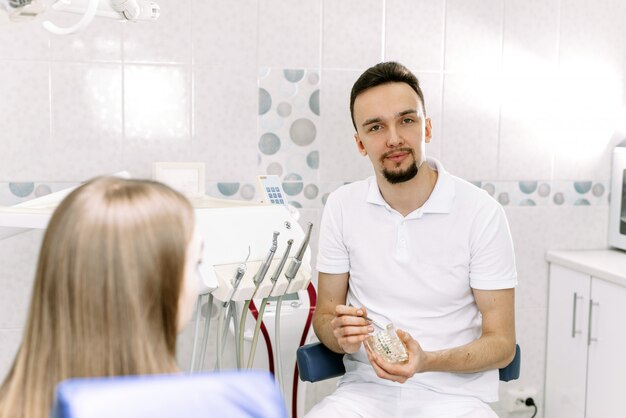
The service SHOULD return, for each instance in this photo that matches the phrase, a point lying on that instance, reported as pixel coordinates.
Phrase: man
(422, 249)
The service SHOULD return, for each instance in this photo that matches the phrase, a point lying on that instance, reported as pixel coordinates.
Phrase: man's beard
(395, 177)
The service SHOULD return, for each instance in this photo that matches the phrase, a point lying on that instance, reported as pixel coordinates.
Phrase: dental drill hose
(207, 326)
(292, 270)
(259, 319)
(220, 336)
(258, 279)
(196, 333)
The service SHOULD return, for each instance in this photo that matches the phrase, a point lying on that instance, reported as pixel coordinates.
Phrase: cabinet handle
(591, 305)
(574, 331)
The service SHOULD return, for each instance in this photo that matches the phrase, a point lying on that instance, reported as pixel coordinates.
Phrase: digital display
(622, 217)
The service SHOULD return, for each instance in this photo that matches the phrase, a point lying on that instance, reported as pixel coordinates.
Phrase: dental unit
(258, 279)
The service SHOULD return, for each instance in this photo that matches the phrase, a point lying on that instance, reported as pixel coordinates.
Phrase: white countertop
(609, 264)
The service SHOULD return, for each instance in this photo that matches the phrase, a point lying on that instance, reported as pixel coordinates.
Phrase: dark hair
(382, 73)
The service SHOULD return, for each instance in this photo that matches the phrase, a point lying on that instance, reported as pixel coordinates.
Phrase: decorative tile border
(306, 194)
(14, 193)
(546, 193)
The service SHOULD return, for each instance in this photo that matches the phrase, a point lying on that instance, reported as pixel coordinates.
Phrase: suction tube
(259, 320)
(291, 272)
(258, 279)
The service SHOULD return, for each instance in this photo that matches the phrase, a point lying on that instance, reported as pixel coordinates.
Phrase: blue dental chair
(317, 362)
(202, 395)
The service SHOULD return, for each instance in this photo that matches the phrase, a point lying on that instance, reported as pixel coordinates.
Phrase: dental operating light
(125, 10)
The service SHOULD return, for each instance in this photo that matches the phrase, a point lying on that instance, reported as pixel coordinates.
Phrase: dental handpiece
(258, 278)
(294, 266)
(282, 263)
(260, 275)
(259, 319)
(241, 271)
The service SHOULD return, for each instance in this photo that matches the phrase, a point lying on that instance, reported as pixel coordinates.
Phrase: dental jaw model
(388, 345)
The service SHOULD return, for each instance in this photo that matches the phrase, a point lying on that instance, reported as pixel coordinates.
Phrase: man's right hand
(350, 328)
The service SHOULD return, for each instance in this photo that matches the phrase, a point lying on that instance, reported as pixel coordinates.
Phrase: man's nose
(394, 139)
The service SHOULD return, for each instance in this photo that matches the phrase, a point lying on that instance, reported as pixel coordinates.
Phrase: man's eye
(407, 120)
(375, 128)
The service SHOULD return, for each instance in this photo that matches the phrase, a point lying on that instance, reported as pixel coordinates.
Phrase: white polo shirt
(418, 271)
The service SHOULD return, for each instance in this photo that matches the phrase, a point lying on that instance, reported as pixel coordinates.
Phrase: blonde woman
(116, 280)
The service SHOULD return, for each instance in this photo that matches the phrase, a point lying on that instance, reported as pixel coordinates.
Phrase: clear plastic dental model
(388, 345)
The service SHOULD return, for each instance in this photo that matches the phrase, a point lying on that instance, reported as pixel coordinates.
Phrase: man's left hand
(399, 372)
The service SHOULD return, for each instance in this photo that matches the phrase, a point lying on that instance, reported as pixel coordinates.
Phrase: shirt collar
(439, 201)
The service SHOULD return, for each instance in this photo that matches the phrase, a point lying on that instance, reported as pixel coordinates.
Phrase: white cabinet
(586, 351)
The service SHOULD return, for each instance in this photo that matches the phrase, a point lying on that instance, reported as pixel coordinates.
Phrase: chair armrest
(511, 372)
(317, 362)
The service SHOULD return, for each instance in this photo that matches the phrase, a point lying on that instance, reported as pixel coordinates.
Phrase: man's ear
(428, 129)
(359, 145)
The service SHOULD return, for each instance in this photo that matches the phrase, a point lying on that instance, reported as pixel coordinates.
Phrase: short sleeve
(492, 258)
(332, 257)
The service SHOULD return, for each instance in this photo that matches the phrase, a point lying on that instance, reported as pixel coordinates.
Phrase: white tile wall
(473, 35)
(86, 121)
(26, 41)
(25, 96)
(18, 256)
(289, 33)
(527, 129)
(157, 104)
(223, 127)
(531, 35)
(165, 41)
(471, 105)
(516, 91)
(352, 33)
(583, 145)
(414, 33)
(224, 33)
(592, 37)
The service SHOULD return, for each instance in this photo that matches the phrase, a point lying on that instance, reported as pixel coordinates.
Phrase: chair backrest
(230, 394)
(316, 362)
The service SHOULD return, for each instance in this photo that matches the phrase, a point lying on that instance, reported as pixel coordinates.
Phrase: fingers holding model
(350, 328)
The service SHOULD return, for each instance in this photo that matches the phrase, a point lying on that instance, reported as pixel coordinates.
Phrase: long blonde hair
(106, 291)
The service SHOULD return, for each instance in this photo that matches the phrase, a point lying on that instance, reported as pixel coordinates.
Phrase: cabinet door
(606, 376)
(566, 357)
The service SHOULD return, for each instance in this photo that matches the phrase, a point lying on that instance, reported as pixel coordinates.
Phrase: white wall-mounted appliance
(617, 215)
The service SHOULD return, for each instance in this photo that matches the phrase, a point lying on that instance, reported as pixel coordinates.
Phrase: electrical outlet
(517, 397)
